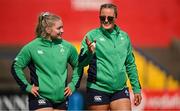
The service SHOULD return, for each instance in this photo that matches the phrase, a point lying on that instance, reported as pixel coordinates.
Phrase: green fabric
(50, 60)
(114, 60)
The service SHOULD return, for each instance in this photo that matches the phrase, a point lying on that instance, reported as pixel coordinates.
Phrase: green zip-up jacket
(112, 61)
(48, 62)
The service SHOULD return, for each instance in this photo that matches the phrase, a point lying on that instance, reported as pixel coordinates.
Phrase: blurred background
(153, 27)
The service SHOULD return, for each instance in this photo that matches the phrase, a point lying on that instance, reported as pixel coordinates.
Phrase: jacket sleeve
(19, 64)
(77, 71)
(132, 70)
(85, 55)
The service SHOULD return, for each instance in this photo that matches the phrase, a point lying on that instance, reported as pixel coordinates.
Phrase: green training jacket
(112, 61)
(47, 61)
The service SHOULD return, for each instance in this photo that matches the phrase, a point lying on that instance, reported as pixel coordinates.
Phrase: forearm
(76, 78)
(133, 73)
(84, 59)
(20, 78)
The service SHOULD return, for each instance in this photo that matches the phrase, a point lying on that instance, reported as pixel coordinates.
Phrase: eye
(110, 18)
(60, 27)
(102, 18)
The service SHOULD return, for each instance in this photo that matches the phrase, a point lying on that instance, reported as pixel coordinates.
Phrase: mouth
(59, 34)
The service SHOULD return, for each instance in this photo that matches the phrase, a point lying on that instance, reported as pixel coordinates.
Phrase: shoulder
(67, 44)
(124, 34)
(30, 44)
(92, 34)
(93, 31)
(33, 43)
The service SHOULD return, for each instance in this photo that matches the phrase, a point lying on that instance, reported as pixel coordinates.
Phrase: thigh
(58, 110)
(99, 107)
(45, 109)
(121, 104)
(120, 100)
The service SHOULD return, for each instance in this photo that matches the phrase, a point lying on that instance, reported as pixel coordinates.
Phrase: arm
(77, 72)
(87, 51)
(133, 75)
(20, 62)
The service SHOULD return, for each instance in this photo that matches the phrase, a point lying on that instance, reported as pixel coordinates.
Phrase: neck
(48, 38)
(110, 30)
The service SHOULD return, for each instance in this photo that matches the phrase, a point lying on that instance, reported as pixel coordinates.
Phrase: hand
(34, 90)
(91, 45)
(137, 99)
(67, 91)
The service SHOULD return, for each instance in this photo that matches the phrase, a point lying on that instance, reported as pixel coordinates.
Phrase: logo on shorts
(97, 98)
(41, 101)
(126, 92)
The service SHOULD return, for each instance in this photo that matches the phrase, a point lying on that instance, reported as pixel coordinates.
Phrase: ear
(48, 30)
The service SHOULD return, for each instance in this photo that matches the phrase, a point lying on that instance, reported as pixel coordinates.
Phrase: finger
(70, 93)
(66, 91)
(88, 42)
(36, 93)
(93, 45)
(137, 100)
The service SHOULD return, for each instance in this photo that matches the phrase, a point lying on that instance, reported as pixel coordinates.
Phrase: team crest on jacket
(102, 39)
(61, 48)
(40, 52)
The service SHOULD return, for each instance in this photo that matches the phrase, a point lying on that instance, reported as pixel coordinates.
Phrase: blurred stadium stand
(168, 58)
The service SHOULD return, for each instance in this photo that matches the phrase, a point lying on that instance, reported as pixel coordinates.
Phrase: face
(56, 30)
(107, 18)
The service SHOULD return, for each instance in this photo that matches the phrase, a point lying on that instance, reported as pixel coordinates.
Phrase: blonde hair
(45, 19)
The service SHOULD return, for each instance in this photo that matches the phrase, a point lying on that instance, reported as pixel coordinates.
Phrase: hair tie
(45, 14)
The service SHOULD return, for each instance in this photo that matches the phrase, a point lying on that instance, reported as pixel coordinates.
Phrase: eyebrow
(60, 27)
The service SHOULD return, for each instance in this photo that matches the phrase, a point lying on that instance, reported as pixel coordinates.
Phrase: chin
(109, 26)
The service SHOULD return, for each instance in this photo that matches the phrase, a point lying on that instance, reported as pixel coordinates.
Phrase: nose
(106, 19)
(61, 30)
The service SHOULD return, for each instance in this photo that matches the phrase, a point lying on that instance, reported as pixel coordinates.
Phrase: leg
(45, 109)
(98, 107)
(123, 104)
(58, 110)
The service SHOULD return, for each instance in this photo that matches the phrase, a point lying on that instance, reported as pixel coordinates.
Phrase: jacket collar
(48, 42)
(107, 33)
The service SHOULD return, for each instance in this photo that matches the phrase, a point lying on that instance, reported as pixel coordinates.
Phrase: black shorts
(95, 97)
(39, 102)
